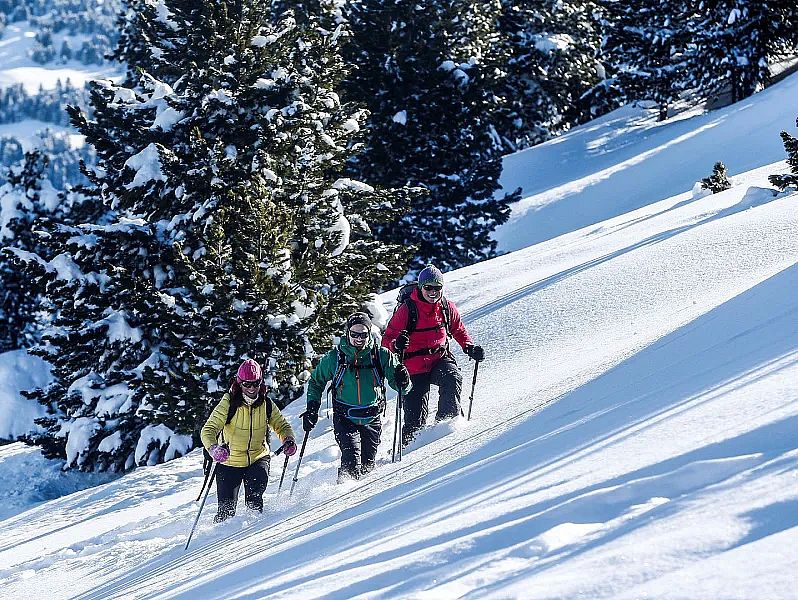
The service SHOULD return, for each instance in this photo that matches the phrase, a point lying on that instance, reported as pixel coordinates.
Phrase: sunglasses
(251, 384)
(358, 335)
(432, 288)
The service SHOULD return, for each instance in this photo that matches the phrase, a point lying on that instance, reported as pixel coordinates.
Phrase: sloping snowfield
(633, 436)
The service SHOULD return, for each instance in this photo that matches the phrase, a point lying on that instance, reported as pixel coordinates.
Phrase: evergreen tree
(738, 40)
(230, 233)
(140, 27)
(718, 181)
(649, 48)
(550, 50)
(25, 201)
(791, 146)
(423, 73)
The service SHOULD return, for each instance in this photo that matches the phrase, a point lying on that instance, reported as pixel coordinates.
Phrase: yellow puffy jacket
(246, 433)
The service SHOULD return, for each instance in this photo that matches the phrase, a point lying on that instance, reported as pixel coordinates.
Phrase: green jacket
(247, 432)
(359, 386)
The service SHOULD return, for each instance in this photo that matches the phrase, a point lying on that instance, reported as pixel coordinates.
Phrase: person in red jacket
(425, 350)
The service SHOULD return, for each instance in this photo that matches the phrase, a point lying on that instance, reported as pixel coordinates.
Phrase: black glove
(401, 376)
(310, 417)
(401, 342)
(475, 352)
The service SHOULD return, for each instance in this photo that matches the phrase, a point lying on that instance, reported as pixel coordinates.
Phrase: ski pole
(396, 427)
(207, 476)
(299, 462)
(398, 421)
(202, 504)
(285, 466)
(473, 385)
(401, 423)
(282, 476)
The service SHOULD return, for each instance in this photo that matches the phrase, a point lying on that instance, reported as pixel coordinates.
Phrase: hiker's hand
(475, 352)
(310, 417)
(219, 453)
(402, 376)
(289, 446)
(401, 342)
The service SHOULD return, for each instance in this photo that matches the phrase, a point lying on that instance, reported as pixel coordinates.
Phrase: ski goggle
(250, 384)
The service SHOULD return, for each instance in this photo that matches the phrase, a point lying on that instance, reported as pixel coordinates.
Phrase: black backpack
(412, 310)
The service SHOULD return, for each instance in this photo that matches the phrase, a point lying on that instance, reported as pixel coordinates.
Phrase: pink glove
(289, 446)
(219, 453)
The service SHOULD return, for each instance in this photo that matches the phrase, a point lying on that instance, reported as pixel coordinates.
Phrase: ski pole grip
(279, 450)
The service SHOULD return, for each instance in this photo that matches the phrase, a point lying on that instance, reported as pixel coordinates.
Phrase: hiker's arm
(459, 331)
(389, 363)
(280, 424)
(215, 423)
(395, 326)
(322, 374)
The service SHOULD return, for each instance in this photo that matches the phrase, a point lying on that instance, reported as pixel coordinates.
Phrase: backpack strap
(447, 319)
(379, 372)
(412, 315)
(340, 369)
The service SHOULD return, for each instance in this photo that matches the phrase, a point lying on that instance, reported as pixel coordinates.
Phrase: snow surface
(20, 371)
(633, 428)
(17, 67)
(626, 160)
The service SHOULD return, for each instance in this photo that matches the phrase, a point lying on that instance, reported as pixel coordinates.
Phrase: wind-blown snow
(632, 432)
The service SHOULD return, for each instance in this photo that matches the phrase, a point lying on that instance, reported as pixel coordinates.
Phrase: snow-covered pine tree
(549, 57)
(422, 70)
(789, 179)
(738, 40)
(718, 181)
(231, 234)
(140, 26)
(26, 200)
(648, 46)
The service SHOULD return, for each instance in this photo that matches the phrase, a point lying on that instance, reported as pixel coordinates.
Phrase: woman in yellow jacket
(236, 436)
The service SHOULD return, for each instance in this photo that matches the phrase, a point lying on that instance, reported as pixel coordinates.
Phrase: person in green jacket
(236, 435)
(357, 369)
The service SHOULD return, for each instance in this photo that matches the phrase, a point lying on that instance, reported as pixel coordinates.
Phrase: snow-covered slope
(632, 437)
(16, 66)
(627, 159)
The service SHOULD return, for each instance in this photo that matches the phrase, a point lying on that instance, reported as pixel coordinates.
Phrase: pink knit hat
(249, 371)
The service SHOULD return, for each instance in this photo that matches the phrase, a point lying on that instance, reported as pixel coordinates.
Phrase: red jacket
(431, 319)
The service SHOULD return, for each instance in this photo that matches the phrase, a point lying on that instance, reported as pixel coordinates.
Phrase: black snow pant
(228, 484)
(358, 445)
(446, 375)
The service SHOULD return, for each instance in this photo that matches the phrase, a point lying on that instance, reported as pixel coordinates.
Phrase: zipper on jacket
(357, 379)
(249, 444)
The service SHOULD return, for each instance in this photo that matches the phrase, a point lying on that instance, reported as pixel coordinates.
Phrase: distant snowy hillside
(627, 159)
(633, 431)
(49, 49)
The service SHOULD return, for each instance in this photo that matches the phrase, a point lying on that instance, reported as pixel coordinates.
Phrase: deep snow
(632, 436)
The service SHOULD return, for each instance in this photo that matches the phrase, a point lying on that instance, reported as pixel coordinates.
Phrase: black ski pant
(446, 375)
(358, 444)
(228, 484)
